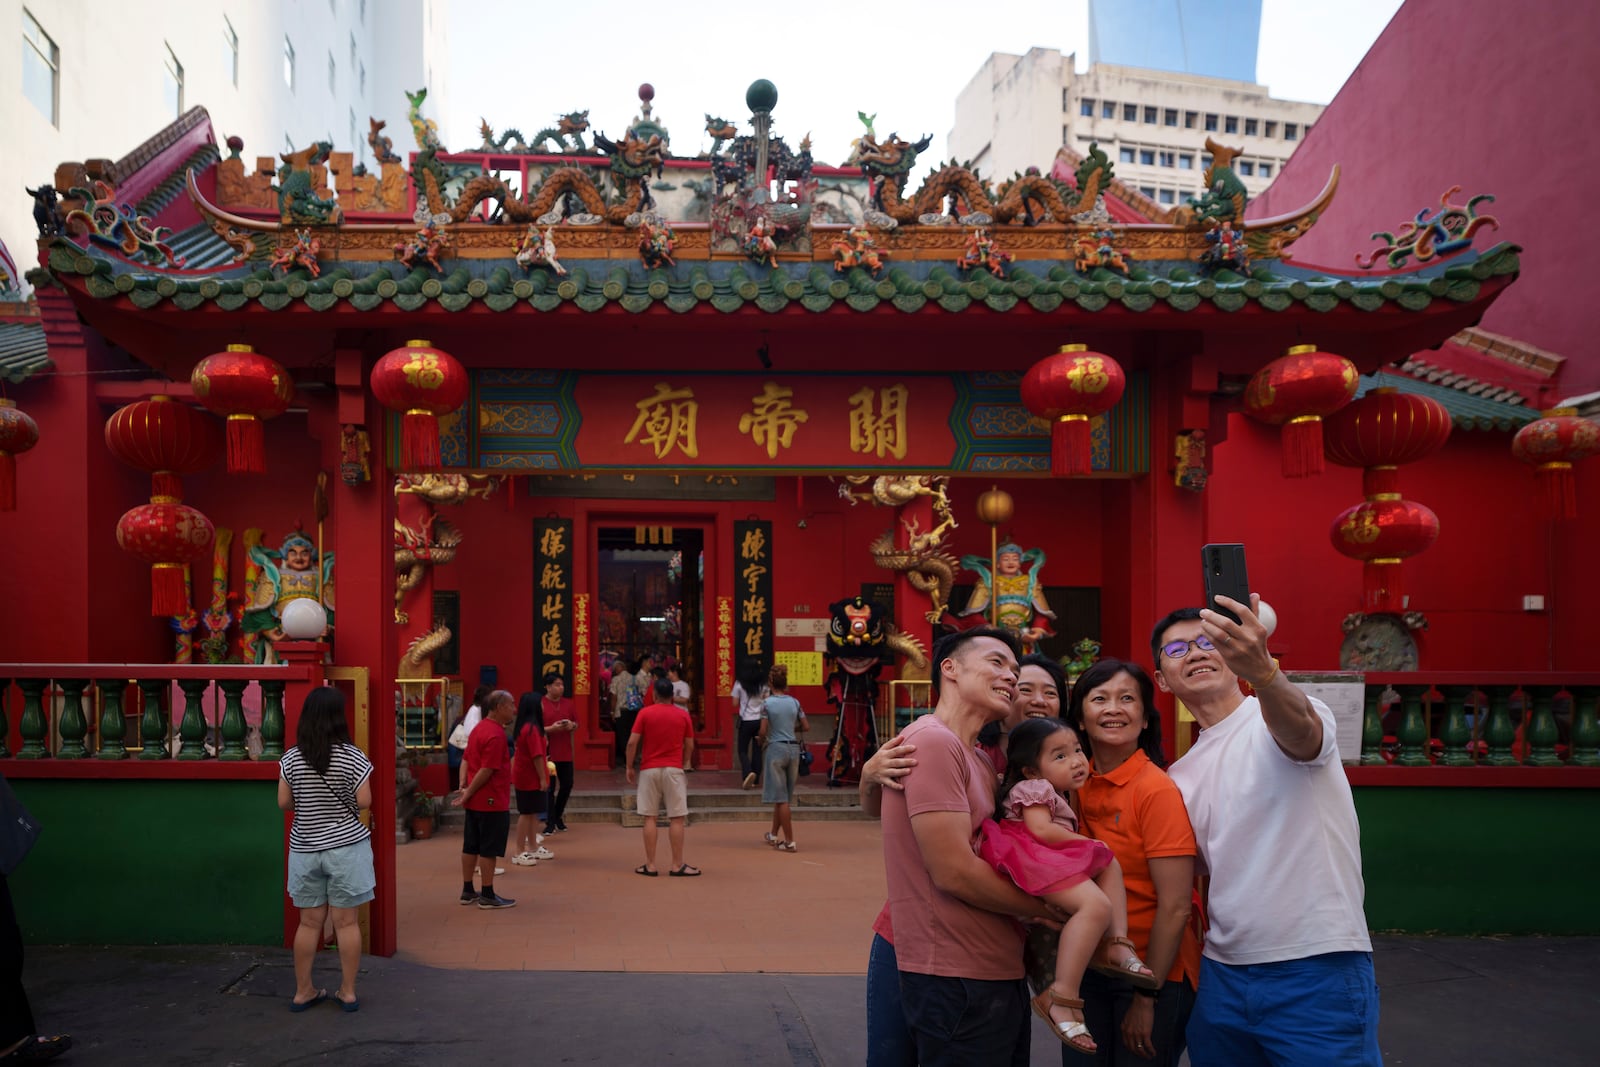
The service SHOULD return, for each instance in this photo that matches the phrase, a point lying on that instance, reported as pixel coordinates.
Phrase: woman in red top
(560, 720)
(529, 777)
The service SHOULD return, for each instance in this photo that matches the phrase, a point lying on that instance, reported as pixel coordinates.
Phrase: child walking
(1037, 845)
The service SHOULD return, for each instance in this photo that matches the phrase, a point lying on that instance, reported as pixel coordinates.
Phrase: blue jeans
(1312, 1012)
(966, 1022)
(889, 1040)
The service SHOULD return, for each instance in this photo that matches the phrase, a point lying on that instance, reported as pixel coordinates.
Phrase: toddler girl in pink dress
(1037, 845)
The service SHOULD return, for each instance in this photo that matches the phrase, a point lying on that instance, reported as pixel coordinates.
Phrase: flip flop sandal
(1131, 970)
(1070, 1031)
(38, 1049)
(645, 870)
(349, 1005)
(685, 871)
(322, 994)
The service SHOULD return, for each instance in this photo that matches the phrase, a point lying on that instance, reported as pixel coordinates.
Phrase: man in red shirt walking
(487, 798)
(664, 734)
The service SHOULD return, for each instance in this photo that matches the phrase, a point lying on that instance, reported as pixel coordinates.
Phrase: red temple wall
(1491, 111)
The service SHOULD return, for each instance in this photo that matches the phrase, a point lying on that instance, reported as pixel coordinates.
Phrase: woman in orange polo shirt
(1131, 805)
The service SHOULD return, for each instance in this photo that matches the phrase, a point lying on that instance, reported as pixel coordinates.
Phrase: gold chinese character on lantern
(666, 420)
(1088, 375)
(774, 418)
(553, 542)
(552, 577)
(423, 372)
(878, 421)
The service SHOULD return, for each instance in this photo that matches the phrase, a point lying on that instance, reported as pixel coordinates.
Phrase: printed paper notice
(1345, 695)
(805, 668)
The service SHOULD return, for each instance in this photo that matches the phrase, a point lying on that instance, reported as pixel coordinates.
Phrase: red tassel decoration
(8, 482)
(419, 440)
(1558, 489)
(247, 449)
(1302, 447)
(1070, 453)
(169, 591)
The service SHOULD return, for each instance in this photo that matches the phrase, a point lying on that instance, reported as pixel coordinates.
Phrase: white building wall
(112, 83)
(1018, 110)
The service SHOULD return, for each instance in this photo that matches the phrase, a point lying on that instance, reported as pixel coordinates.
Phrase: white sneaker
(538, 839)
(543, 854)
(525, 859)
(499, 870)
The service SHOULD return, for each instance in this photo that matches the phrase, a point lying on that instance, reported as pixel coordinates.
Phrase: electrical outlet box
(1533, 603)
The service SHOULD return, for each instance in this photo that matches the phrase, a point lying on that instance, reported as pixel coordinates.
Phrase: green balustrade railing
(1493, 719)
(115, 712)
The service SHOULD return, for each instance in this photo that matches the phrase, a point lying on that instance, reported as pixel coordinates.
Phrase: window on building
(1147, 157)
(1108, 109)
(363, 80)
(288, 65)
(1190, 119)
(1125, 155)
(230, 52)
(172, 84)
(1148, 190)
(1186, 162)
(1150, 116)
(1169, 117)
(1251, 127)
(1230, 124)
(1130, 112)
(1264, 169)
(1291, 132)
(1167, 159)
(1205, 162)
(1271, 129)
(1247, 168)
(333, 74)
(1086, 108)
(1211, 123)
(1167, 196)
(41, 68)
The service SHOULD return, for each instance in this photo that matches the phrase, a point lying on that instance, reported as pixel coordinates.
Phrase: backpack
(632, 700)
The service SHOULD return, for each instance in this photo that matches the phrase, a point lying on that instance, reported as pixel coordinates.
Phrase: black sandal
(37, 1049)
(685, 871)
(644, 869)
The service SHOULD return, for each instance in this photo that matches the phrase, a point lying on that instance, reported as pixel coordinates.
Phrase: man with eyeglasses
(1287, 973)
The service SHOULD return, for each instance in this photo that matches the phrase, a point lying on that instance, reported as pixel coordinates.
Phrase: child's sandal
(1131, 970)
(1073, 1033)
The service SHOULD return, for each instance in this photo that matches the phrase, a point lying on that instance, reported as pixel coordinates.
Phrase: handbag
(460, 735)
(18, 829)
(805, 761)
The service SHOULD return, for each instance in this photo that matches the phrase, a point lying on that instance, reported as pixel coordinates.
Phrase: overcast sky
(522, 65)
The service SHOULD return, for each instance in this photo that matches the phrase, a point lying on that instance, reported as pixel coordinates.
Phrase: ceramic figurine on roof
(537, 249)
(1427, 237)
(1225, 250)
(644, 126)
(298, 202)
(743, 192)
(382, 146)
(656, 243)
(983, 252)
(1098, 249)
(46, 213)
(572, 124)
(719, 130)
(426, 131)
(1225, 196)
(299, 252)
(113, 225)
(857, 249)
(761, 244)
(426, 245)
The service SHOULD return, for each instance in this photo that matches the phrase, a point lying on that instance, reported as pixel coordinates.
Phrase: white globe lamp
(1268, 617)
(304, 619)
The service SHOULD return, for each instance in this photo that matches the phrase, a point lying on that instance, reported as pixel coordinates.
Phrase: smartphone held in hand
(1222, 570)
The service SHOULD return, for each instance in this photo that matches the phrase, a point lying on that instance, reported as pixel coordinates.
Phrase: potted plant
(423, 814)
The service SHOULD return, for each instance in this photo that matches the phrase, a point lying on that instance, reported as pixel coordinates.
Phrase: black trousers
(749, 747)
(558, 802)
(1106, 1000)
(16, 1015)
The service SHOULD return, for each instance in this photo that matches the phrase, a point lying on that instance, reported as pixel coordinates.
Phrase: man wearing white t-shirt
(1287, 975)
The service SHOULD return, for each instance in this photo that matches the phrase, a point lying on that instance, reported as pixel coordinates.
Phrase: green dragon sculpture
(298, 202)
(426, 131)
(572, 124)
(719, 130)
(1225, 196)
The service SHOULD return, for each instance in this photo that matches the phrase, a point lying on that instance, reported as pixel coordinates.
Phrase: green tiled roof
(22, 351)
(731, 286)
(1468, 412)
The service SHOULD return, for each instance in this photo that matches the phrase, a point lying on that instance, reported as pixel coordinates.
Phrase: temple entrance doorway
(650, 583)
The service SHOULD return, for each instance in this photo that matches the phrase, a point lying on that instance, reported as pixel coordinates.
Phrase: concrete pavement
(1455, 1002)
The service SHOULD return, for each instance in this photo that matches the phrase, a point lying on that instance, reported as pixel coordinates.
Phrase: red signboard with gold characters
(724, 646)
(580, 645)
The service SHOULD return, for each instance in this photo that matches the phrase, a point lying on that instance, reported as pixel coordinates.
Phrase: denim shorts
(339, 877)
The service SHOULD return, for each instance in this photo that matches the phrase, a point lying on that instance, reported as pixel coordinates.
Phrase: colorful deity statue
(289, 574)
(1019, 594)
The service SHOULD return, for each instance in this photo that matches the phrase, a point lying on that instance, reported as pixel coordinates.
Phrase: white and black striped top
(325, 811)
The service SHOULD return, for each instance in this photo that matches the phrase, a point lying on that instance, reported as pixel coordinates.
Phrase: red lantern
(168, 535)
(1381, 533)
(1066, 389)
(1385, 428)
(423, 383)
(1295, 392)
(247, 387)
(1553, 444)
(18, 433)
(167, 439)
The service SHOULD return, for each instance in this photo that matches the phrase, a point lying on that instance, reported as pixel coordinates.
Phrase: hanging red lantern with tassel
(1379, 432)
(18, 433)
(422, 383)
(1296, 392)
(1552, 444)
(1066, 390)
(169, 440)
(246, 387)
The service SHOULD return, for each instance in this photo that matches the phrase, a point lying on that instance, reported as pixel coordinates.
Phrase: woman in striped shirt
(326, 781)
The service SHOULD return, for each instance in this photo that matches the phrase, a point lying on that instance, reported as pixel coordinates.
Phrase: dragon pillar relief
(423, 539)
(927, 567)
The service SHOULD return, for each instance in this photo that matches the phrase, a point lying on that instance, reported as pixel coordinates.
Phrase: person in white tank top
(1287, 973)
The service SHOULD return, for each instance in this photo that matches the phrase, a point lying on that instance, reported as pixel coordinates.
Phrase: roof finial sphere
(761, 96)
(647, 92)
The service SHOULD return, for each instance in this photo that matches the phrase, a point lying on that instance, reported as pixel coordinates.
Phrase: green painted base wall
(152, 862)
(1481, 861)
